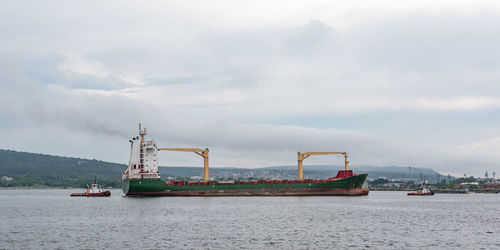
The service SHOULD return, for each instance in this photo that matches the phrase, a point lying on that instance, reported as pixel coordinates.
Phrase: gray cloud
(196, 79)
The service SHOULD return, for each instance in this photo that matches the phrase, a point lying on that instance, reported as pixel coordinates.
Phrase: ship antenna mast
(142, 133)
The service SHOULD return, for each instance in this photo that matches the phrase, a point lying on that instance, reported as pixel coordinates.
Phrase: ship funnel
(142, 132)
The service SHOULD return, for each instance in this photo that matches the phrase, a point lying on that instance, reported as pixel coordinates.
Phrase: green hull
(157, 187)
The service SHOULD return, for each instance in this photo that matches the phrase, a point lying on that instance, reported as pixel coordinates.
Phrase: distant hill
(310, 171)
(30, 169)
(389, 172)
(40, 170)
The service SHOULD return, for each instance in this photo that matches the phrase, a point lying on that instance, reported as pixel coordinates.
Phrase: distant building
(7, 178)
(469, 183)
(392, 184)
(491, 185)
(465, 184)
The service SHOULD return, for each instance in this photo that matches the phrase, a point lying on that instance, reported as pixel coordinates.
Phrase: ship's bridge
(143, 162)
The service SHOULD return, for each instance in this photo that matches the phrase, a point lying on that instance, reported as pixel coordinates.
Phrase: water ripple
(50, 219)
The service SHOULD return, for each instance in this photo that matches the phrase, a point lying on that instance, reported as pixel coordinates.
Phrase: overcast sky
(407, 83)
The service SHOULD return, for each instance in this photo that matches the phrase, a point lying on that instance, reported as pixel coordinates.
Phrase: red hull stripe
(276, 192)
(102, 194)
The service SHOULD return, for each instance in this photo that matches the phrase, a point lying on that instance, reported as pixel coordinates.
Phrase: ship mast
(142, 133)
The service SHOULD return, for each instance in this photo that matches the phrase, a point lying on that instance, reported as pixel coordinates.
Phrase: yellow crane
(303, 156)
(200, 152)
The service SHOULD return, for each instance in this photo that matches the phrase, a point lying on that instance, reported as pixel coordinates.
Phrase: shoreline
(438, 191)
(47, 188)
(444, 191)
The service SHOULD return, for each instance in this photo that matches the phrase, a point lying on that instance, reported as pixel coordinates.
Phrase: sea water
(50, 219)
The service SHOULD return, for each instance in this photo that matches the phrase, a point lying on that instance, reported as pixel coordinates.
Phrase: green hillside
(29, 169)
(21, 169)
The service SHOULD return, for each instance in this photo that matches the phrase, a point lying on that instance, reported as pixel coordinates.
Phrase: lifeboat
(93, 191)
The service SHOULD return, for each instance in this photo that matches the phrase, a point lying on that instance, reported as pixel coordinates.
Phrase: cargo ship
(142, 178)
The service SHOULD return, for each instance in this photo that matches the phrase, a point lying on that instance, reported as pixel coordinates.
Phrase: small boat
(93, 191)
(422, 191)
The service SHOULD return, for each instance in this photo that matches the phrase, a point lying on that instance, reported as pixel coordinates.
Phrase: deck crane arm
(201, 152)
(302, 156)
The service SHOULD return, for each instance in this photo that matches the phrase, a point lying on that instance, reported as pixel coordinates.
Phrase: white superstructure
(143, 161)
(424, 190)
(94, 188)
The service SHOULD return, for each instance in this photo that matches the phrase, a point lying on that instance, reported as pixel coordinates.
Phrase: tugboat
(93, 191)
(422, 191)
